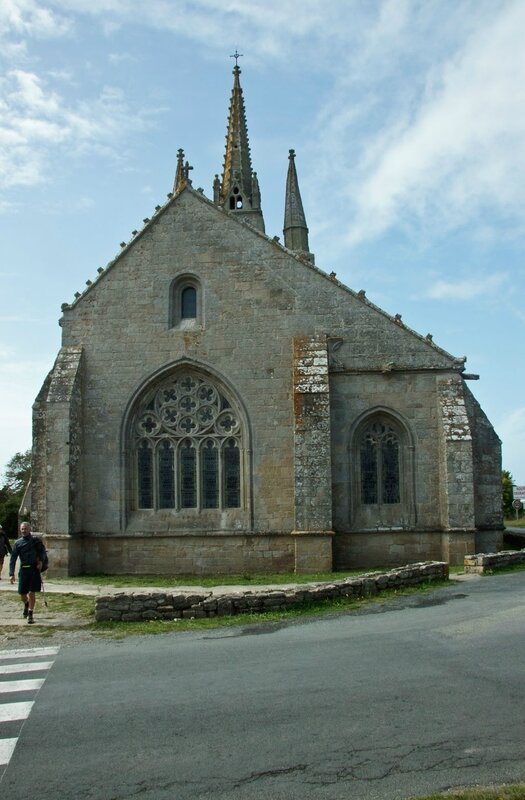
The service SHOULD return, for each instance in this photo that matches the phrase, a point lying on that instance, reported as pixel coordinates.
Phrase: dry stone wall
(168, 605)
(482, 562)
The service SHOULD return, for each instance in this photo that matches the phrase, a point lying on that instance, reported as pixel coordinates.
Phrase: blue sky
(407, 119)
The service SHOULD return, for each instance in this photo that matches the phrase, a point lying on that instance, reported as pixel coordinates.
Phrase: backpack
(41, 553)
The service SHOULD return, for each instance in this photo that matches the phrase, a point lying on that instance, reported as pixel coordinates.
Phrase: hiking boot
(26, 609)
(30, 620)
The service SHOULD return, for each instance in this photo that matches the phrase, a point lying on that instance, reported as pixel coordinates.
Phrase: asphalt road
(414, 696)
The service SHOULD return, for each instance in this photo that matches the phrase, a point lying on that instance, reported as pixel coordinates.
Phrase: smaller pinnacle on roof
(295, 229)
(179, 174)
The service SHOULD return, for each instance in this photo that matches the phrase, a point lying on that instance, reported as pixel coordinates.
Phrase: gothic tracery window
(187, 443)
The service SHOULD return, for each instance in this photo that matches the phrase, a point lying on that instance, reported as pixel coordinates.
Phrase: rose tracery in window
(187, 447)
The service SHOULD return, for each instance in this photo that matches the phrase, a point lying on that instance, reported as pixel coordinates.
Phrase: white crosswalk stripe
(11, 669)
(11, 712)
(18, 692)
(21, 686)
(31, 652)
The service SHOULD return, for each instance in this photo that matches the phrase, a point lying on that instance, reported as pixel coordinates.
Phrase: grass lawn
(248, 579)
(516, 792)
(515, 523)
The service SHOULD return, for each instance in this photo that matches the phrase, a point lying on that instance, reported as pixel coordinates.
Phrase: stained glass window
(232, 475)
(379, 461)
(188, 476)
(196, 436)
(210, 475)
(166, 475)
(145, 476)
(368, 471)
(390, 468)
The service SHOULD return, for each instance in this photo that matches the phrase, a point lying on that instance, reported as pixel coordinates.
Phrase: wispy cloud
(460, 149)
(467, 289)
(36, 120)
(31, 18)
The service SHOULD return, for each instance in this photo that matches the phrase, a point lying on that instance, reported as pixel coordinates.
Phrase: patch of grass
(504, 570)
(516, 792)
(79, 605)
(515, 523)
(248, 579)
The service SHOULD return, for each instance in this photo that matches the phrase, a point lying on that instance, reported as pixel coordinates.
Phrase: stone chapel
(220, 404)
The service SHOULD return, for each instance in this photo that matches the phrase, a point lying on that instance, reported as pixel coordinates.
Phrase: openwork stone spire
(295, 228)
(238, 192)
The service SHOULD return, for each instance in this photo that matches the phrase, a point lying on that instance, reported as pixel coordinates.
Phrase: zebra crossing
(22, 675)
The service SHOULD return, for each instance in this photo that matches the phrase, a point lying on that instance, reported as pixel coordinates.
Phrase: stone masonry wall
(482, 562)
(313, 489)
(138, 606)
(457, 472)
(486, 451)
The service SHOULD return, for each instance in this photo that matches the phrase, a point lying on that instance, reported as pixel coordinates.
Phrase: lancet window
(187, 446)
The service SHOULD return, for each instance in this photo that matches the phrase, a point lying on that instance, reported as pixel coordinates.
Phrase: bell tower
(238, 192)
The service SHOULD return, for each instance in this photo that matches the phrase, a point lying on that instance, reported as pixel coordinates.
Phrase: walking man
(32, 554)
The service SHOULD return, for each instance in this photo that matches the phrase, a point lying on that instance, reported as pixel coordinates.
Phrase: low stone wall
(137, 606)
(482, 562)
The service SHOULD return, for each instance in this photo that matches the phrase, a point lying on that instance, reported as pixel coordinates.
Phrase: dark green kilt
(29, 580)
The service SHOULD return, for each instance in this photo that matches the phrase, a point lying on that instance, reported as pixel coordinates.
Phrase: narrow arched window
(188, 303)
(232, 474)
(145, 475)
(210, 474)
(165, 468)
(188, 475)
(379, 462)
(381, 471)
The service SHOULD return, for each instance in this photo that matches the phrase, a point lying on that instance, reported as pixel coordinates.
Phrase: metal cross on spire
(237, 56)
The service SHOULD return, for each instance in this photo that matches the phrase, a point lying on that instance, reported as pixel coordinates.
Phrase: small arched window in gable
(186, 302)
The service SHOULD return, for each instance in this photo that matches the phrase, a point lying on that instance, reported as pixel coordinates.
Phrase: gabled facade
(221, 405)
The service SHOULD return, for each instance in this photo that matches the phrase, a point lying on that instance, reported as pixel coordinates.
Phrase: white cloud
(466, 289)
(461, 150)
(30, 18)
(272, 28)
(36, 120)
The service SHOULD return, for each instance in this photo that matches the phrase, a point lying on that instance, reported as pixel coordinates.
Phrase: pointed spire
(295, 228)
(239, 189)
